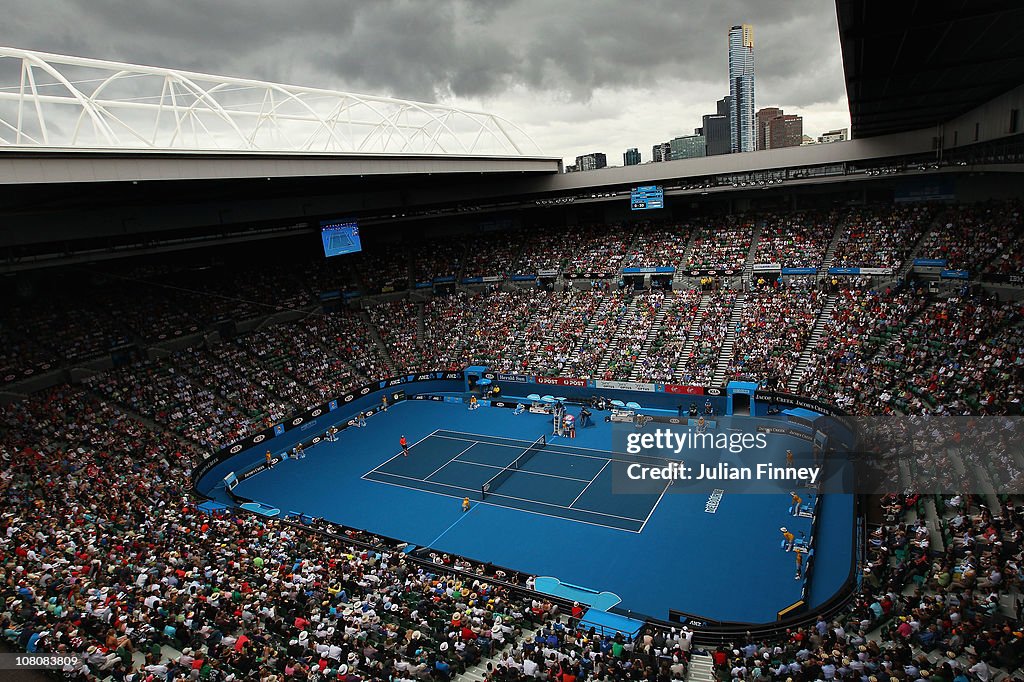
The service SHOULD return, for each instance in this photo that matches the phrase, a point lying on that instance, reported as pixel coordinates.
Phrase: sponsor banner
(511, 378)
(714, 390)
(330, 295)
(860, 270)
(767, 267)
(667, 270)
(955, 274)
(447, 279)
(786, 431)
(588, 275)
(192, 329)
(523, 278)
(259, 468)
(931, 262)
(1016, 279)
(799, 271)
(677, 389)
(503, 403)
(9, 374)
(547, 273)
(333, 405)
(492, 278)
(430, 396)
(424, 285)
(790, 400)
(560, 381)
(453, 399)
(472, 280)
(278, 429)
(625, 385)
(713, 272)
(352, 294)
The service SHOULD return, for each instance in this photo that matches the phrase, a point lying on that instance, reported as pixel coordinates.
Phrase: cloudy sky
(577, 75)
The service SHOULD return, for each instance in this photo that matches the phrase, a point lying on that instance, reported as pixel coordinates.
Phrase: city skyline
(577, 76)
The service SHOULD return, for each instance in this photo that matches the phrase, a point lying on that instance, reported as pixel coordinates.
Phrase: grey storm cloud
(434, 49)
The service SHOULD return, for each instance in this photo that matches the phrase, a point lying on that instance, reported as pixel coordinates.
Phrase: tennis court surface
(551, 478)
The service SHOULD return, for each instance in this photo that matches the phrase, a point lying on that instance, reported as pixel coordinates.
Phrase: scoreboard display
(340, 237)
(647, 197)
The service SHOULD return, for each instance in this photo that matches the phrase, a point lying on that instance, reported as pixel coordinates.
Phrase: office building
(686, 147)
(631, 157)
(661, 152)
(761, 119)
(591, 161)
(839, 135)
(715, 129)
(786, 130)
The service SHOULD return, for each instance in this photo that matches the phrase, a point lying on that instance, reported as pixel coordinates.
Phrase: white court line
(410, 447)
(498, 506)
(521, 471)
(549, 449)
(448, 462)
(589, 484)
(511, 497)
(651, 513)
(433, 543)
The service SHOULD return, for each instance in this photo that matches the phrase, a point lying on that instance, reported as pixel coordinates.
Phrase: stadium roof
(912, 65)
(71, 103)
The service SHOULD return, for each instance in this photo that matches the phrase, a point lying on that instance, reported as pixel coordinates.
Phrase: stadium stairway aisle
(755, 238)
(691, 336)
(379, 342)
(702, 669)
(812, 343)
(652, 334)
(478, 672)
(725, 355)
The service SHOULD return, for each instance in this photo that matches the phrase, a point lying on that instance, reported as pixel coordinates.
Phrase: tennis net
(517, 464)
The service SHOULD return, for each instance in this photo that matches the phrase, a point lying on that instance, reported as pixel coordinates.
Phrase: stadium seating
(106, 553)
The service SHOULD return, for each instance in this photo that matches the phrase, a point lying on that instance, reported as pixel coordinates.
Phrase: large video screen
(647, 197)
(340, 237)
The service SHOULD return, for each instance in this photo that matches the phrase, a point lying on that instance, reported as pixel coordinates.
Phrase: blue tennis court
(559, 480)
(558, 515)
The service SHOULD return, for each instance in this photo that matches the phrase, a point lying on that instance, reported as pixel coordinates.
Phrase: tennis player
(405, 446)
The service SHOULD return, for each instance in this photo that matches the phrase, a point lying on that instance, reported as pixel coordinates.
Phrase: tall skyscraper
(741, 88)
(631, 157)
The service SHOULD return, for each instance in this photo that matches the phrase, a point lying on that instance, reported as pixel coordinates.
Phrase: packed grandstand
(107, 553)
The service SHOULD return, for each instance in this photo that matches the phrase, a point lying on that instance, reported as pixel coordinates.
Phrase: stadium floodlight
(59, 101)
